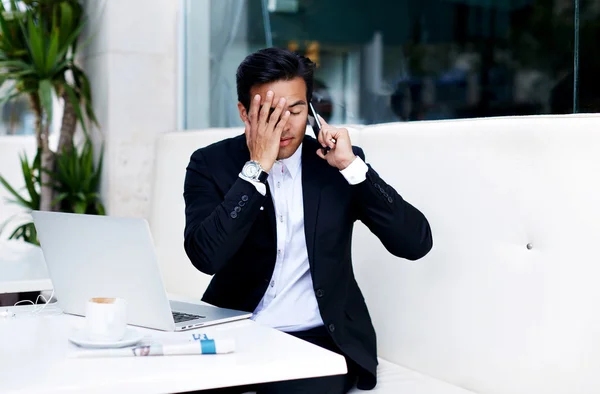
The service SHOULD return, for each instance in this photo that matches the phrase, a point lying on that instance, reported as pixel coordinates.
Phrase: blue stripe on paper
(208, 346)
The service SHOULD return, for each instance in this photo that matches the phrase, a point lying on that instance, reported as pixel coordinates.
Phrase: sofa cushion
(510, 288)
(394, 379)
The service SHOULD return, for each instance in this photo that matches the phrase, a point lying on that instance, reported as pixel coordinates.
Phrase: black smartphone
(313, 121)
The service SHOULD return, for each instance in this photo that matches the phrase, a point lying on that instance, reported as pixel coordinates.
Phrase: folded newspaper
(179, 345)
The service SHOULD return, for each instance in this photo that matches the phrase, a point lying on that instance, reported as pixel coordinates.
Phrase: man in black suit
(270, 214)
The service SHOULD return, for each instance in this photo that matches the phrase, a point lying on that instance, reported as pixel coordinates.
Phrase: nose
(287, 127)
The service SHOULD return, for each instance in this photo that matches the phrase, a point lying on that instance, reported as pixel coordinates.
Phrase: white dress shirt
(289, 304)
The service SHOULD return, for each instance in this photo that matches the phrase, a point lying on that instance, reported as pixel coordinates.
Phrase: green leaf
(32, 238)
(83, 83)
(18, 75)
(66, 21)
(45, 94)
(17, 202)
(87, 165)
(60, 198)
(17, 234)
(35, 37)
(15, 64)
(29, 182)
(20, 200)
(60, 68)
(80, 207)
(100, 208)
(51, 57)
(5, 32)
(9, 96)
(27, 232)
(14, 6)
(70, 40)
(95, 182)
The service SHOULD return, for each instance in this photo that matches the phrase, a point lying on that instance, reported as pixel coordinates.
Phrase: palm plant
(38, 47)
(31, 175)
(76, 181)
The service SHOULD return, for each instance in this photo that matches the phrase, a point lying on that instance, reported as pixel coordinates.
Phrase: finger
(321, 154)
(323, 123)
(248, 128)
(328, 138)
(276, 114)
(338, 133)
(282, 122)
(266, 108)
(248, 132)
(254, 106)
(321, 138)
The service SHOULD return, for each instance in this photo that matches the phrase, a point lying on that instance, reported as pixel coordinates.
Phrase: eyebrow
(299, 102)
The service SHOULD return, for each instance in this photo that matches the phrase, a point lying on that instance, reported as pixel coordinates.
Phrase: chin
(287, 152)
(284, 154)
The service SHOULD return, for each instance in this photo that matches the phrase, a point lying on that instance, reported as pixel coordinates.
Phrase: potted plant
(39, 41)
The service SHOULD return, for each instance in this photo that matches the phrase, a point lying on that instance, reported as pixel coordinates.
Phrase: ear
(243, 112)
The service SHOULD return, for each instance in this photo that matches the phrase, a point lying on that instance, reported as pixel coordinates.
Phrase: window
(385, 61)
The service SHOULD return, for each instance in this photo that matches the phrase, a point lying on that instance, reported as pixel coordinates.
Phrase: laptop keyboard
(180, 317)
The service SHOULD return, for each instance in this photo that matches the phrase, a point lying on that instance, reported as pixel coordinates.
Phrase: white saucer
(131, 337)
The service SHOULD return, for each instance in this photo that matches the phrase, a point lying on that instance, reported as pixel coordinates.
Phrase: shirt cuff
(260, 187)
(356, 172)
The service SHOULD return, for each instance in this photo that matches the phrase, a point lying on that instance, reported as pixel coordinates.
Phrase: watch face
(250, 170)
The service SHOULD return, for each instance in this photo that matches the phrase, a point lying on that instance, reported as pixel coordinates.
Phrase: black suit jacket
(227, 235)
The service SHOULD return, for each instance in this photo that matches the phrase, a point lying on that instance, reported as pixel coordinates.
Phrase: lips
(284, 142)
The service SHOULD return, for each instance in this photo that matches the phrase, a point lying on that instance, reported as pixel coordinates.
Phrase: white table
(34, 358)
(22, 268)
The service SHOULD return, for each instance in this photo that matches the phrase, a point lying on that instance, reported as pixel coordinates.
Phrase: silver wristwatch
(253, 171)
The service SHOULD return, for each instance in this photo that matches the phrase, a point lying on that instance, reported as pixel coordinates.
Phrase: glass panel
(588, 87)
(217, 38)
(382, 61)
(17, 117)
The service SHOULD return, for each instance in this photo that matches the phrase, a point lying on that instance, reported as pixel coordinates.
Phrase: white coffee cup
(106, 319)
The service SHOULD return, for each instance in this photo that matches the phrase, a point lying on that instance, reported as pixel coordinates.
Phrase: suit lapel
(312, 183)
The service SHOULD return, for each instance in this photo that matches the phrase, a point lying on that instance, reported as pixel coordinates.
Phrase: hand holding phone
(338, 147)
(315, 123)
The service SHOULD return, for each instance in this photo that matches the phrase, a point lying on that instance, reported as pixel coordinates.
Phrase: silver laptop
(101, 256)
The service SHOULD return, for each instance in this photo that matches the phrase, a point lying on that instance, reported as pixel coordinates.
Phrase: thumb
(320, 154)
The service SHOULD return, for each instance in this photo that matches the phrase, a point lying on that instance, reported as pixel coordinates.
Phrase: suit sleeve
(216, 225)
(401, 228)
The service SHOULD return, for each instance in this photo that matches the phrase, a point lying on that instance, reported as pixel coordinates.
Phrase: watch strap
(262, 176)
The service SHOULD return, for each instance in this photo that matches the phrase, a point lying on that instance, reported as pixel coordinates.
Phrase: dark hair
(270, 65)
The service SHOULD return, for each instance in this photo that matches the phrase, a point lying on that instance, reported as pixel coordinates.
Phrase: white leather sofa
(508, 300)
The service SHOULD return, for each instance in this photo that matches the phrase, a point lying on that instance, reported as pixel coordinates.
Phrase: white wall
(132, 64)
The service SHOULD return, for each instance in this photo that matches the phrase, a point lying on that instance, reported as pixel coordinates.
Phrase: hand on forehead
(292, 91)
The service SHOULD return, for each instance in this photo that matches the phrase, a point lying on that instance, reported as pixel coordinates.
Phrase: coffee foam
(103, 300)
